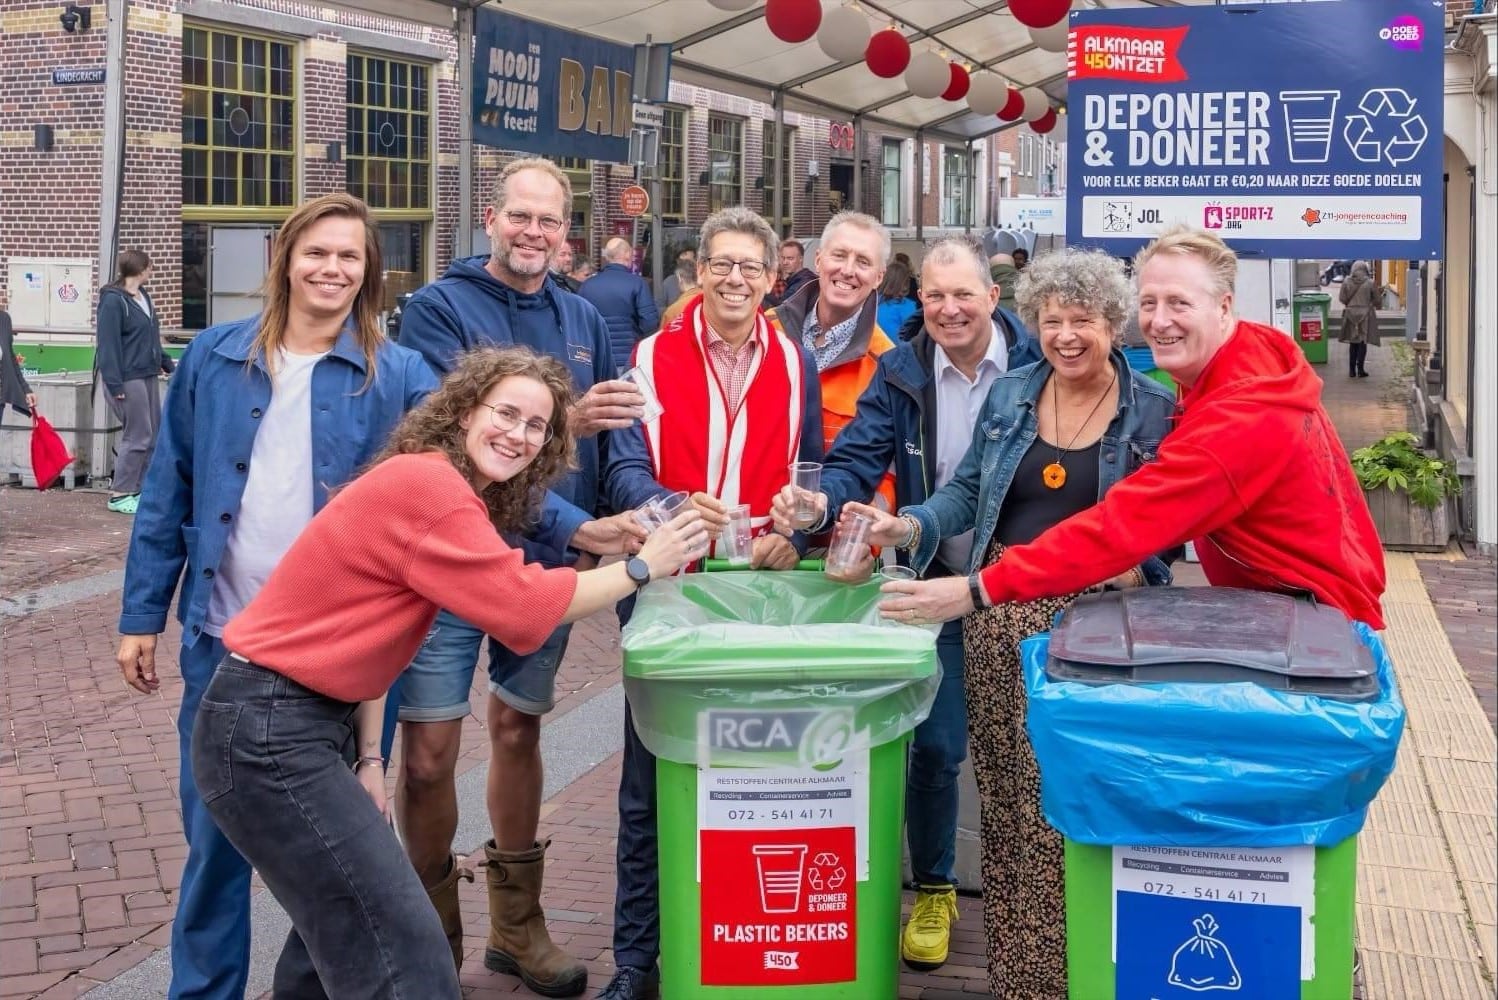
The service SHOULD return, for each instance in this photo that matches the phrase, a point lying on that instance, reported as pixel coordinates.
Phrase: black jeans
(271, 760)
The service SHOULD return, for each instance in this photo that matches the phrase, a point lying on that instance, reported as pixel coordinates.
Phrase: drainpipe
(463, 245)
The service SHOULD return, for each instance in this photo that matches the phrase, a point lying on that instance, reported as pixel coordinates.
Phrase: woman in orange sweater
(301, 693)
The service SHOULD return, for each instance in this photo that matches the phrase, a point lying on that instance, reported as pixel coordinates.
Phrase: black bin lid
(1211, 635)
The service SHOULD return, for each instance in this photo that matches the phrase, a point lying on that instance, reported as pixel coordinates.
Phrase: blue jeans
(271, 759)
(435, 686)
(936, 756)
(211, 929)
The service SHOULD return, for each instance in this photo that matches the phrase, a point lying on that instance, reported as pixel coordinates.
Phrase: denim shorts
(434, 688)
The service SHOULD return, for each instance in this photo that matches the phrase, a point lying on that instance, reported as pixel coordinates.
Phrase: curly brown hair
(437, 425)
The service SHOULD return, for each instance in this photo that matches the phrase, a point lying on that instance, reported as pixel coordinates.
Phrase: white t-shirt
(277, 501)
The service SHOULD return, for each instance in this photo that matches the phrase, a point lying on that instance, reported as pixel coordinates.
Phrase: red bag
(49, 455)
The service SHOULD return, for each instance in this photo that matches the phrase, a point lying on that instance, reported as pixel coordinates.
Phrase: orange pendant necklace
(1054, 474)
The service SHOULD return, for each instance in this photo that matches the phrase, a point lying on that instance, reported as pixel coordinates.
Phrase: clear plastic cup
(653, 408)
(806, 482)
(850, 546)
(887, 574)
(738, 536)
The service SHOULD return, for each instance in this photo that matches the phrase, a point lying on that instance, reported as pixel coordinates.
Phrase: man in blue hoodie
(508, 298)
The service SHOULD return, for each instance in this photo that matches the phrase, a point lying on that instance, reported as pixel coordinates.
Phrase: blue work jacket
(197, 475)
(894, 427)
(1007, 427)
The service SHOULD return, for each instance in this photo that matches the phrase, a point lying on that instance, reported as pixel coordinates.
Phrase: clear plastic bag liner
(1202, 765)
(800, 663)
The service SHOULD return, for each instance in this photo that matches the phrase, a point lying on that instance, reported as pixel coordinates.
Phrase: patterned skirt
(1024, 905)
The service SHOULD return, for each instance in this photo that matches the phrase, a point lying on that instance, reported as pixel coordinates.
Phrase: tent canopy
(736, 53)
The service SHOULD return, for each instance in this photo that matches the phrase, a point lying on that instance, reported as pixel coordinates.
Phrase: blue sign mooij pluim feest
(1291, 130)
(544, 90)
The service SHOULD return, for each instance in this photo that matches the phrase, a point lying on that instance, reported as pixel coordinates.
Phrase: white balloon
(987, 94)
(1035, 104)
(844, 34)
(929, 75)
(1053, 38)
(732, 5)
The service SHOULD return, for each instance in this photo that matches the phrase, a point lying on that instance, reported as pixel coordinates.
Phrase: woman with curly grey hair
(1051, 439)
(301, 693)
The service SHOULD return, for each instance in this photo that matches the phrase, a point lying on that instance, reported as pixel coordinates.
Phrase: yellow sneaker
(928, 933)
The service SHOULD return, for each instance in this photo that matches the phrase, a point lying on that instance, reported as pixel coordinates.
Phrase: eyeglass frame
(712, 263)
(495, 422)
(549, 224)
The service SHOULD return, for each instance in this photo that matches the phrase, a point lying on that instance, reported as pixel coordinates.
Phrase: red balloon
(1014, 106)
(957, 89)
(793, 20)
(888, 53)
(1045, 122)
(1039, 13)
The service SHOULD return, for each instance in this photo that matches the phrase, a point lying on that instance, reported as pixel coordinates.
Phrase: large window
(956, 180)
(767, 171)
(725, 162)
(671, 166)
(891, 182)
(388, 138)
(238, 115)
(579, 173)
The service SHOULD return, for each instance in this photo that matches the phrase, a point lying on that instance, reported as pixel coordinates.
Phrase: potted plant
(1408, 492)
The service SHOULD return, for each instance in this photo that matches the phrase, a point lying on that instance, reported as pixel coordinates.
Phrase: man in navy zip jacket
(507, 298)
(919, 393)
(623, 300)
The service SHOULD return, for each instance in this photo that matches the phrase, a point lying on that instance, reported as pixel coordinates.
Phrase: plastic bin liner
(1202, 765)
(1140, 359)
(802, 661)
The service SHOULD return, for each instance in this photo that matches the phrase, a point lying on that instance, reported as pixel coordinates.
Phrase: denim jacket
(197, 475)
(1006, 429)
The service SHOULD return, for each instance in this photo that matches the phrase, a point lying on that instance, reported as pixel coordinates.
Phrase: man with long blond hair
(262, 418)
(508, 297)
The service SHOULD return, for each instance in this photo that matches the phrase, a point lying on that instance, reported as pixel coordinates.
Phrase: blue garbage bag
(1208, 765)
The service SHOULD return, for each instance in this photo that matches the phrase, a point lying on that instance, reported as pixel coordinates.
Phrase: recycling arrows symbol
(1387, 129)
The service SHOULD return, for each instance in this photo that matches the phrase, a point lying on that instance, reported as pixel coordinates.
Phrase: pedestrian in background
(686, 280)
(14, 389)
(128, 363)
(1360, 296)
(264, 417)
(896, 304)
(623, 300)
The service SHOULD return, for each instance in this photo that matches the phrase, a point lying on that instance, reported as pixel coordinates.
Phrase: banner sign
(544, 90)
(1293, 130)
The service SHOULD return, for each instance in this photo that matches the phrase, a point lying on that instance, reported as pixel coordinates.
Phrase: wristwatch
(975, 590)
(638, 570)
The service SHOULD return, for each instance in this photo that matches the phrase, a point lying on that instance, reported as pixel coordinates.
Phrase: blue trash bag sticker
(1203, 962)
(1201, 765)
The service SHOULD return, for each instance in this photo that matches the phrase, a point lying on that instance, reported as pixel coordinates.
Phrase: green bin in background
(1313, 324)
(779, 708)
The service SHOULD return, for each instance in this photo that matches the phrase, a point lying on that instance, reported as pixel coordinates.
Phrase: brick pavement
(1464, 590)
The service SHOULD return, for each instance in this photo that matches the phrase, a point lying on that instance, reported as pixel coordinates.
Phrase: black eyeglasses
(723, 267)
(507, 418)
(522, 220)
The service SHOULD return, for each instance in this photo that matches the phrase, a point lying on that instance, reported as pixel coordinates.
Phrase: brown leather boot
(444, 897)
(518, 941)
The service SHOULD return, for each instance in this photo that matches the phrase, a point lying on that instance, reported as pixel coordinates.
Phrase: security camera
(75, 18)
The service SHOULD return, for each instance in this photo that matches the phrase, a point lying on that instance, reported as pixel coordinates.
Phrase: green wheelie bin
(1313, 324)
(1208, 755)
(779, 707)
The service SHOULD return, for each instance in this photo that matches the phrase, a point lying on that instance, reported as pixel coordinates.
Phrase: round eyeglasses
(507, 418)
(522, 220)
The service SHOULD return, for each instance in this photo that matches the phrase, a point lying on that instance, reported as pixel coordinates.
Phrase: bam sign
(544, 90)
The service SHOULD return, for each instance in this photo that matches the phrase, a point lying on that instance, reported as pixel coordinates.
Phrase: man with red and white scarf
(741, 403)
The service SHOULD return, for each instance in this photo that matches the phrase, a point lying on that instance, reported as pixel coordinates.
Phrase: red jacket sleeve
(462, 564)
(1188, 491)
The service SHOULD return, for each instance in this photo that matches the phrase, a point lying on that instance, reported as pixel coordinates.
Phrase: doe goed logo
(1404, 32)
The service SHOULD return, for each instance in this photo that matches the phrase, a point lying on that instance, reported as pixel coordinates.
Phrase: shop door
(238, 257)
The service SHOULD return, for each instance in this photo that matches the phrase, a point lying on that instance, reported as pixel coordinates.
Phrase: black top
(1030, 506)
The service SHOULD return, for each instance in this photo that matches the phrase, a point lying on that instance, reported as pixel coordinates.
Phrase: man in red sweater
(1253, 471)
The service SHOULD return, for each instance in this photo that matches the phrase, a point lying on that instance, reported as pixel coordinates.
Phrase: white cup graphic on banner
(780, 876)
(1309, 119)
